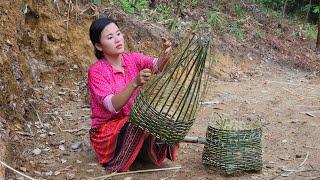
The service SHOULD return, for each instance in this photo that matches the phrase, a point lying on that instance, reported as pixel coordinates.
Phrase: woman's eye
(109, 37)
(118, 33)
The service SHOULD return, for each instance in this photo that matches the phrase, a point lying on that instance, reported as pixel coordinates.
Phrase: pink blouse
(104, 80)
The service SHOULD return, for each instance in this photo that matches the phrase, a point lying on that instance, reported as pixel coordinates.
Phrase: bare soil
(287, 100)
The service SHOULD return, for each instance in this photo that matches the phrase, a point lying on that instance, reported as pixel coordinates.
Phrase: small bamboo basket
(166, 106)
(233, 146)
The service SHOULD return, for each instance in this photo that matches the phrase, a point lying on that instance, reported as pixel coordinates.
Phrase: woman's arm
(121, 98)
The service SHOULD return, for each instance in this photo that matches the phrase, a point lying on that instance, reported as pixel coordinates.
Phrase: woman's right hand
(142, 77)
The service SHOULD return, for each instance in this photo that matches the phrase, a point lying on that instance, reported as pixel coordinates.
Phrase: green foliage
(311, 31)
(316, 9)
(273, 4)
(194, 2)
(142, 4)
(238, 10)
(127, 6)
(235, 30)
(130, 8)
(164, 10)
(294, 34)
(217, 21)
(175, 26)
(300, 8)
(212, 58)
(258, 34)
(218, 4)
(98, 2)
(306, 8)
(276, 14)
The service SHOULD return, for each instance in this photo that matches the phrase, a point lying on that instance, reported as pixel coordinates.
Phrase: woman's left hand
(165, 56)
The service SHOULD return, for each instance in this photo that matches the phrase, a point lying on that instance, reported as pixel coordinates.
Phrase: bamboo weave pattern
(233, 148)
(166, 106)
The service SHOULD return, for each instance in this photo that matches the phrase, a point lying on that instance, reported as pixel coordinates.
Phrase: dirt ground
(287, 100)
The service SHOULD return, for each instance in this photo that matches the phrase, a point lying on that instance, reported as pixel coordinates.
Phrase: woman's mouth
(119, 46)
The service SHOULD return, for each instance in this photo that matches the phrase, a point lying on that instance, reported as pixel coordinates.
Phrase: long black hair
(96, 28)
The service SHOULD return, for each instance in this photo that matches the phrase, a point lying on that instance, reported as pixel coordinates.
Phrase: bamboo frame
(166, 106)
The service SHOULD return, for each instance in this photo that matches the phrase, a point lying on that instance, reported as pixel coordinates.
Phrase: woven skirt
(117, 144)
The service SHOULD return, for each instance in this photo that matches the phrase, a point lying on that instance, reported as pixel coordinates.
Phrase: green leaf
(24, 8)
(98, 2)
(316, 10)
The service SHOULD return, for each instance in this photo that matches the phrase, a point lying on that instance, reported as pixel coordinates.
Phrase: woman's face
(111, 40)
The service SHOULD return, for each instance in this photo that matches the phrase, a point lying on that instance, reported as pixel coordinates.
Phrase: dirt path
(287, 100)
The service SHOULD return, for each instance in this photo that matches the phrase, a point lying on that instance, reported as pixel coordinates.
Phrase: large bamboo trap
(166, 106)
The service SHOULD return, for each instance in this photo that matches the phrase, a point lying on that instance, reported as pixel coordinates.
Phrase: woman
(113, 82)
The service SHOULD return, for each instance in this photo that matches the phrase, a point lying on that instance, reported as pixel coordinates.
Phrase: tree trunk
(152, 4)
(284, 8)
(318, 37)
(307, 16)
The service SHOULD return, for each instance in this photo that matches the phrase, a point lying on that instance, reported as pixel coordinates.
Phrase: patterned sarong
(117, 144)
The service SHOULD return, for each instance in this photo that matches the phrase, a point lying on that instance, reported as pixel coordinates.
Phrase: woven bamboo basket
(233, 146)
(166, 106)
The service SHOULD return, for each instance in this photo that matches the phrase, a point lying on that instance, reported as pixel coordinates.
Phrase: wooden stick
(198, 140)
(9, 167)
(210, 102)
(314, 178)
(65, 169)
(58, 126)
(279, 82)
(37, 114)
(308, 114)
(309, 97)
(77, 9)
(292, 92)
(305, 159)
(310, 147)
(58, 8)
(68, 17)
(308, 106)
(75, 130)
(133, 172)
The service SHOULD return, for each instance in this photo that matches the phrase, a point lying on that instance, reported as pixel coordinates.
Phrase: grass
(216, 20)
(130, 8)
(236, 30)
(310, 31)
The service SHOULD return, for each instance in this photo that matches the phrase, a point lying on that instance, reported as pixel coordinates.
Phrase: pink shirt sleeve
(108, 104)
(98, 85)
(143, 61)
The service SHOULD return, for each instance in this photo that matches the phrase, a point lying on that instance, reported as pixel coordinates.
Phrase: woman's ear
(98, 46)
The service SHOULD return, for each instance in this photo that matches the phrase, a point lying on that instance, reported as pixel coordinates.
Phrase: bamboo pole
(16, 171)
(134, 172)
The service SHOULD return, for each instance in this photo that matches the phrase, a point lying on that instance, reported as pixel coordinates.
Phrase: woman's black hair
(96, 28)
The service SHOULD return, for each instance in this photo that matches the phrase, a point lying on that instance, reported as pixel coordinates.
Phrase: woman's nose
(117, 39)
